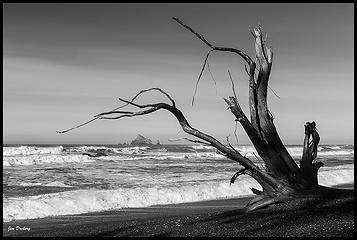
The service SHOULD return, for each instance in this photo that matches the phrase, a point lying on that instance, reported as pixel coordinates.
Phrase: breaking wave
(122, 150)
(92, 200)
(44, 158)
(297, 151)
(30, 150)
(84, 201)
(50, 184)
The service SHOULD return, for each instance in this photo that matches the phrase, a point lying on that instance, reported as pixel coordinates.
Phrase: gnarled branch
(282, 178)
(264, 178)
(126, 104)
(309, 169)
(237, 174)
(242, 54)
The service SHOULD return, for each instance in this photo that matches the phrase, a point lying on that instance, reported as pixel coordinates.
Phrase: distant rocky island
(140, 140)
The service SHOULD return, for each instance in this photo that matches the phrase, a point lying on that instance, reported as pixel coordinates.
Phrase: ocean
(42, 181)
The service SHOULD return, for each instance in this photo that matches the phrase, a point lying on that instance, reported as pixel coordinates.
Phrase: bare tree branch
(127, 103)
(256, 156)
(239, 52)
(78, 126)
(133, 114)
(235, 131)
(113, 112)
(200, 75)
(151, 89)
(274, 92)
(310, 152)
(282, 179)
(237, 174)
(193, 31)
(198, 141)
(230, 145)
(209, 70)
(190, 140)
(246, 70)
(256, 191)
(234, 91)
(229, 153)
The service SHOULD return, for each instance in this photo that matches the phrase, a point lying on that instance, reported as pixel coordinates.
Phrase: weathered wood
(282, 179)
(265, 59)
(308, 168)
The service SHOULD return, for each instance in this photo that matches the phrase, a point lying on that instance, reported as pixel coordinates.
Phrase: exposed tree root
(264, 201)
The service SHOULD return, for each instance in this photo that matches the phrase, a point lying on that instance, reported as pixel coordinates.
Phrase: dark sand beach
(223, 218)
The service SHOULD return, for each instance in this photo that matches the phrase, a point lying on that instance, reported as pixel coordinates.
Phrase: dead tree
(282, 179)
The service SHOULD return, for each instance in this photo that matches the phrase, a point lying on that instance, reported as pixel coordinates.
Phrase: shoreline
(224, 217)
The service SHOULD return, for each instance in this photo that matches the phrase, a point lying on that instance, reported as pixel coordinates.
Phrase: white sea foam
(164, 156)
(329, 176)
(134, 150)
(83, 201)
(50, 184)
(334, 147)
(336, 153)
(244, 150)
(30, 150)
(28, 155)
(44, 158)
(125, 150)
(88, 148)
(210, 155)
(297, 151)
(200, 147)
(129, 158)
(160, 150)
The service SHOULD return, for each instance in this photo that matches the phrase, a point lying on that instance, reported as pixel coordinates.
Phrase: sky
(64, 63)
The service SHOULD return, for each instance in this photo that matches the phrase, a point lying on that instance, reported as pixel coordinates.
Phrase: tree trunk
(282, 179)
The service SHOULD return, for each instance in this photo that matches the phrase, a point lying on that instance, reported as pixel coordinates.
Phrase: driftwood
(282, 179)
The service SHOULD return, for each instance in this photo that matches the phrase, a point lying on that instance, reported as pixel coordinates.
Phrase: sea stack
(141, 141)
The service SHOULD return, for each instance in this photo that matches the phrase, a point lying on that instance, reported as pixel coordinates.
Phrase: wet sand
(222, 218)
